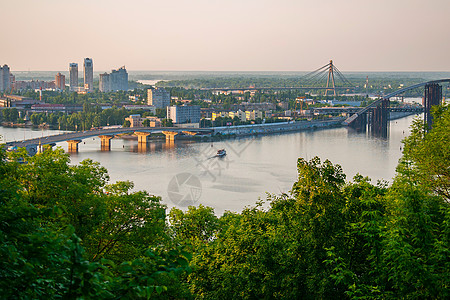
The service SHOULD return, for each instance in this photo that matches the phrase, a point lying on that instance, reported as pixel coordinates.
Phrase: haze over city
(249, 35)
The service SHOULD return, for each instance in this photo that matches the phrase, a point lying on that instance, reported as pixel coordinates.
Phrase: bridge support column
(105, 142)
(73, 146)
(380, 116)
(360, 123)
(433, 96)
(170, 135)
(142, 137)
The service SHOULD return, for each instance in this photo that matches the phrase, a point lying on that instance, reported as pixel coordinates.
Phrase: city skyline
(232, 35)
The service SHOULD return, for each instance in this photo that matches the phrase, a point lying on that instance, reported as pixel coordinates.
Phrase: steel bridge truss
(376, 115)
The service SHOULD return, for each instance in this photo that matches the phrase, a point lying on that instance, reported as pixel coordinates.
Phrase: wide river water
(185, 173)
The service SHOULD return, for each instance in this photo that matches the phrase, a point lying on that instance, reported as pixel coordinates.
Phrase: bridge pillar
(142, 137)
(73, 146)
(380, 117)
(170, 135)
(105, 142)
(360, 123)
(433, 96)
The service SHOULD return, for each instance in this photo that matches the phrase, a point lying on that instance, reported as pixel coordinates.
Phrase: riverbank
(25, 125)
(246, 130)
(271, 128)
(15, 125)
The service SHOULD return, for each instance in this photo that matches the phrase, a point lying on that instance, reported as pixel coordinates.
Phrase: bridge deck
(79, 135)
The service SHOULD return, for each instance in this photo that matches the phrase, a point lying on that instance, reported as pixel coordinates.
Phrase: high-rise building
(5, 78)
(104, 83)
(73, 74)
(88, 74)
(159, 97)
(117, 80)
(60, 81)
(184, 114)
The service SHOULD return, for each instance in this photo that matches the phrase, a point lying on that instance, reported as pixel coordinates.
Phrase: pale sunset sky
(226, 35)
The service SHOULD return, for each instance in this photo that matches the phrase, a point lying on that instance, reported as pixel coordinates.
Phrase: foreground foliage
(66, 232)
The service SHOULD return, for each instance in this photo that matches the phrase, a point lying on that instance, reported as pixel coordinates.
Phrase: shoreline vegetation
(66, 231)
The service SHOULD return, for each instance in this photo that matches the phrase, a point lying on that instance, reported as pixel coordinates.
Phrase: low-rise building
(34, 85)
(135, 120)
(220, 114)
(153, 121)
(253, 115)
(239, 114)
(138, 121)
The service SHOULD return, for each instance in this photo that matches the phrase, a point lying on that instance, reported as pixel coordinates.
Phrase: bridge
(354, 110)
(105, 135)
(326, 78)
(375, 115)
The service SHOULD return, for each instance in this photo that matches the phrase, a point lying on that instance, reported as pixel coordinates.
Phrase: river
(185, 173)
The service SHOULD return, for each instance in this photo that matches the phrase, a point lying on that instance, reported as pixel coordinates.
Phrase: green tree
(131, 221)
(41, 215)
(426, 153)
(166, 123)
(146, 123)
(197, 225)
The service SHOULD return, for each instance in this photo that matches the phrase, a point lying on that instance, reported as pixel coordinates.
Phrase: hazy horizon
(227, 36)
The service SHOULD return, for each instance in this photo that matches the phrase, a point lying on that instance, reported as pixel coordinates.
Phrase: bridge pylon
(330, 79)
(335, 79)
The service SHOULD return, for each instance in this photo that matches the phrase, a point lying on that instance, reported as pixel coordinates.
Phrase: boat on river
(221, 153)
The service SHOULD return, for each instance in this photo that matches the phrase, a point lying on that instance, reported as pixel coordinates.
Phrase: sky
(226, 35)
